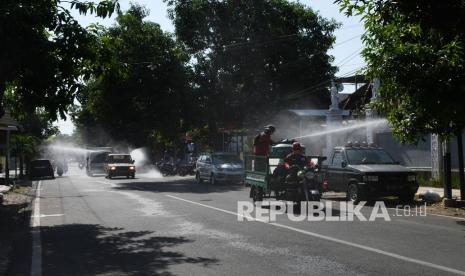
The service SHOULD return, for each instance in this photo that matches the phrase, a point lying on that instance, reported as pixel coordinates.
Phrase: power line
(347, 40)
(349, 57)
(258, 42)
(314, 88)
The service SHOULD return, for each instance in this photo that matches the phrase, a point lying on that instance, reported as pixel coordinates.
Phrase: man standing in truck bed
(262, 141)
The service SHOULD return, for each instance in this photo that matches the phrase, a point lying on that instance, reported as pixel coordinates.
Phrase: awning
(8, 123)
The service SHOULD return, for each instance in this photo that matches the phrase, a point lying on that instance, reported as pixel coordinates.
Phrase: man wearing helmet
(262, 141)
(296, 157)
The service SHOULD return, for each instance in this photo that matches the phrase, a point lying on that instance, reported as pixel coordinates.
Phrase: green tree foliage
(44, 52)
(141, 92)
(254, 58)
(417, 49)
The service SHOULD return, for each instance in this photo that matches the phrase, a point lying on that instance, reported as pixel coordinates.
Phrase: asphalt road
(173, 226)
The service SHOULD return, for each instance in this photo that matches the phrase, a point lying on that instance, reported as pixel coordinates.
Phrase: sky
(346, 49)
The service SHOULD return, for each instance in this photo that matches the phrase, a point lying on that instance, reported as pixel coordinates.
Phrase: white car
(219, 167)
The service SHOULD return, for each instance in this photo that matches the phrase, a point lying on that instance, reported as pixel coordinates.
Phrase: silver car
(219, 167)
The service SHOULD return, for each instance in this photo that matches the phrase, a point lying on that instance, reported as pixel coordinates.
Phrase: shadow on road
(178, 186)
(84, 249)
(14, 239)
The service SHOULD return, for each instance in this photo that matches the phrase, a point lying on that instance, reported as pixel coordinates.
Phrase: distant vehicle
(41, 169)
(219, 167)
(61, 167)
(96, 159)
(365, 172)
(120, 165)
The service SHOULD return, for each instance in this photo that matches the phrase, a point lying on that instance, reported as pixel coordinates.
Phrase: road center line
(328, 238)
(104, 182)
(36, 261)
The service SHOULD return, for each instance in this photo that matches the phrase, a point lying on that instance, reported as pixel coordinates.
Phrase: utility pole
(7, 159)
(461, 169)
(447, 170)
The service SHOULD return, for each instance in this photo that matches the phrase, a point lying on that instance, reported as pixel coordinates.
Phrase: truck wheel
(296, 207)
(198, 178)
(353, 193)
(407, 197)
(109, 176)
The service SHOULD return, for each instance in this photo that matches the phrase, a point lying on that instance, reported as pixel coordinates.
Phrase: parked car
(41, 169)
(365, 172)
(219, 167)
(120, 165)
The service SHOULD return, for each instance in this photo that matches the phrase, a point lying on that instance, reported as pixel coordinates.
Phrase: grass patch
(424, 180)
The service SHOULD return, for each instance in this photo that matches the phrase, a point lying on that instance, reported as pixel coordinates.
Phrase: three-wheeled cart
(269, 177)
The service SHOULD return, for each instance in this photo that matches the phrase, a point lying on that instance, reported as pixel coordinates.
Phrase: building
(7, 126)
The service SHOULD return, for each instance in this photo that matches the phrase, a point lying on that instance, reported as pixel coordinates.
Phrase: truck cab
(365, 172)
(120, 165)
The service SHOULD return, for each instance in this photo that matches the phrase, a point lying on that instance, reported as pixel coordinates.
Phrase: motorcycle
(186, 168)
(60, 170)
(166, 168)
(296, 183)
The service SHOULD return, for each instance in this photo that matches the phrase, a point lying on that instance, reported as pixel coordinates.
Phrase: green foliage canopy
(417, 49)
(141, 91)
(44, 52)
(254, 58)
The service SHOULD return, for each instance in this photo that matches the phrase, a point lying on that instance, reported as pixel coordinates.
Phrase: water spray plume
(141, 161)
(139, 156)
(344, 128)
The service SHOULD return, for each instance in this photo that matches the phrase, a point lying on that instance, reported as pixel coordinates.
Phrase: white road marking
(36, 262)
(104, 182)
(92, 190)
(392, 208)
(51, 215)
(328, 238)
(444, 216)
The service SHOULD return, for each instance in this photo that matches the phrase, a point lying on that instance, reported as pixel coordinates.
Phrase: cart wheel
(198, 179)
(257, 194)
(213, 181)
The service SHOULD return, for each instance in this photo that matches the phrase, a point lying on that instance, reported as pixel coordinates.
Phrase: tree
(44, 52)
(141, 93)
(254, 58)
(417, 49)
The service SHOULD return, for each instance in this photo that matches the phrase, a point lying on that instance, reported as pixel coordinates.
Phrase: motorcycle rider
(296, 157)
